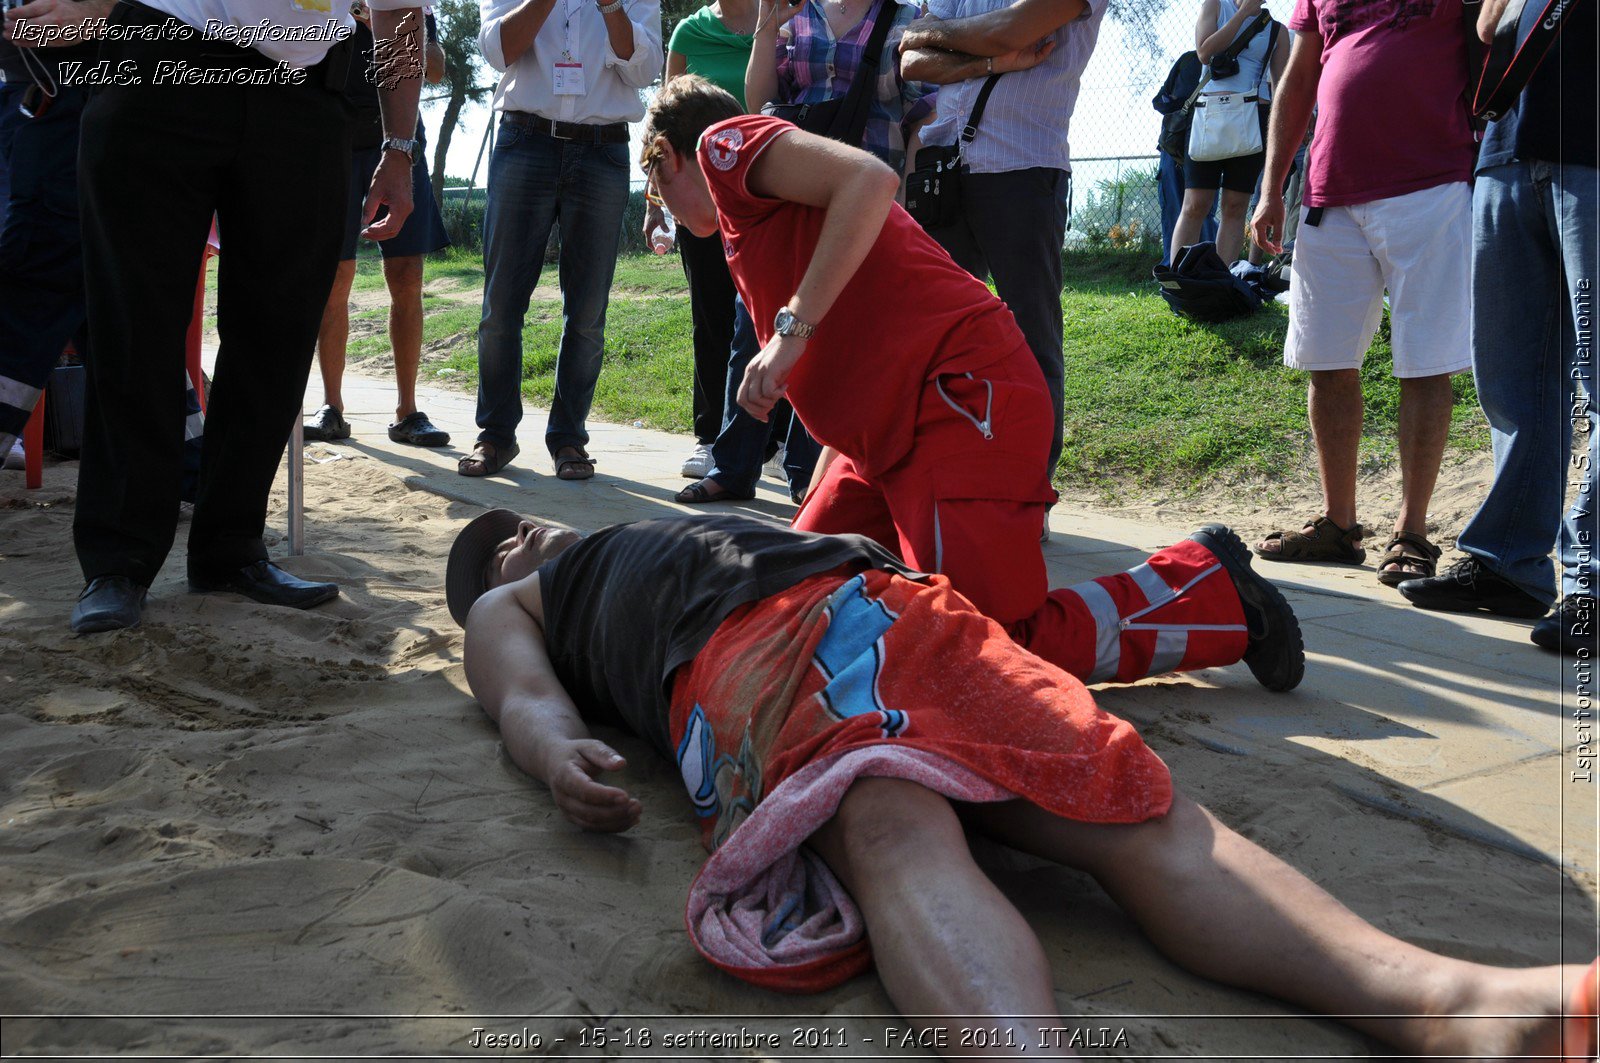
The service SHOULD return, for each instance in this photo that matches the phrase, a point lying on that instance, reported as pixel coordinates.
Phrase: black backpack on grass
(1199, 285)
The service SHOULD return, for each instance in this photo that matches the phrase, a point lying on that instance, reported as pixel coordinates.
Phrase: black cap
(466, 575)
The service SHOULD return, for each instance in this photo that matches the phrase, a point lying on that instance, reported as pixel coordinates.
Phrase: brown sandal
(1322, 541)
(577, 465)
(1409, 555)
(486, 459)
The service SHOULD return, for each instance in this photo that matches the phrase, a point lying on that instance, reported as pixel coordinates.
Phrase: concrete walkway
(1454, 722)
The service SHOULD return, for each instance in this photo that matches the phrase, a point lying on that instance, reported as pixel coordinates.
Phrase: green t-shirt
(712, 51)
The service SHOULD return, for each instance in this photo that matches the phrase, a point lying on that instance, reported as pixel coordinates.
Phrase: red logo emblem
(723, 148)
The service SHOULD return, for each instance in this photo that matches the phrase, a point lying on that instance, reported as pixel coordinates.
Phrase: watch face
(784, 320)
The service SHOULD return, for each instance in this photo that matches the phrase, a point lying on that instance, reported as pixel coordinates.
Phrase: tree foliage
(465, 74)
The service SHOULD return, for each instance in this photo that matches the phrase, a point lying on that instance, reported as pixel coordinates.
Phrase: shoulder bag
(933, 191)
(1227, 125)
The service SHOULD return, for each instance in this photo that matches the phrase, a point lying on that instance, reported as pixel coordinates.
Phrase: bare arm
(1293, 100)
(510, 673)
(1009, 29)
(1280, 56)
(855, 192)
(515, 32)
(937, 67)
(761, 73)
(1210, 38)
(57, 22)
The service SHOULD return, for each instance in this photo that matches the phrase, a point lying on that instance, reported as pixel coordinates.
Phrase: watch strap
(408, 148)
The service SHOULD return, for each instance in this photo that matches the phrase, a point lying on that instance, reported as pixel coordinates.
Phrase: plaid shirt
(814, 67)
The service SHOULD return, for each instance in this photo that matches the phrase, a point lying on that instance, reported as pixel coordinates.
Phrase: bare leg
(1224, 908)
(404, 277)
(1334, 403)
(1230, 225)
(1186, 230)
(334, 335)
(1426, 404)
(947, 942)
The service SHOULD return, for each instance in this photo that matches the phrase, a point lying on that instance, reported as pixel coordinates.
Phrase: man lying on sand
(934, 413)
(839, 721)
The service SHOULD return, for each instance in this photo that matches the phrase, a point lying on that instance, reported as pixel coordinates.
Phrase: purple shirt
(1391, 108)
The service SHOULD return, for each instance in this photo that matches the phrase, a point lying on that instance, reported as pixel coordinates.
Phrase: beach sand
(245, 830)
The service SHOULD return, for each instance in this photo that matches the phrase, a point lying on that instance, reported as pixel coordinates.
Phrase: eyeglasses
(651, 194)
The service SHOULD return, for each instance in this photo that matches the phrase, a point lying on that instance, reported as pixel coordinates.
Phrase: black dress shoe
(1570, 625)
(1274, 651)
(1468, 586)
(264, 582)
(108, 603)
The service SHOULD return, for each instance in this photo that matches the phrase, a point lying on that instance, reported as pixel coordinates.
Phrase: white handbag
(1226, 125)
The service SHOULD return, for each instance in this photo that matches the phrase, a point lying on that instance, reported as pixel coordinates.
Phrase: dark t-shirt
(1556, 118)
(627, 605)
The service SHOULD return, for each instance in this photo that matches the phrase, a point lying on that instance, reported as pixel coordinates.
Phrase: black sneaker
(1275, 653)
(326, 425)
(1468, 586)
(1571, 624)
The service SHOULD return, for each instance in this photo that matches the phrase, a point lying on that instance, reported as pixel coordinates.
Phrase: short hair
(685, 107)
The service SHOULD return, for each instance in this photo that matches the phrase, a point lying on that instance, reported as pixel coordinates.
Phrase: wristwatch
(786, 324)
(408, 148)
(611, 8)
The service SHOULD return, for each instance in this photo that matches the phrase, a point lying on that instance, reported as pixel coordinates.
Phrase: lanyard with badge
(569, 69)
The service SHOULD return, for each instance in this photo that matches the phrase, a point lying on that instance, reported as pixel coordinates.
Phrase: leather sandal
(487, 459)
(577, 465)
(1408, 555)
(1321, 541)
(708, 490)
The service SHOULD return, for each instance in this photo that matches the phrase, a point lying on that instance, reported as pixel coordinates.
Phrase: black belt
(614, 133)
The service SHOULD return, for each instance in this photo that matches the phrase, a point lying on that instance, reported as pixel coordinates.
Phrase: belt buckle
(555, 133)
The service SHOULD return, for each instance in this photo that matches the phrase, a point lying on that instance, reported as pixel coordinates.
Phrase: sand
(244, 830)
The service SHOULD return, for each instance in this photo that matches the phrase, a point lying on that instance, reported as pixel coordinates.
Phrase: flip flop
(486, 459)
(1578, 1033)
(578, 466)
(708, 490)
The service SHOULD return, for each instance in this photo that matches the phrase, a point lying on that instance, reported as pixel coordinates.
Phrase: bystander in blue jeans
(534, 181)
(1534, 271)
(743, 443)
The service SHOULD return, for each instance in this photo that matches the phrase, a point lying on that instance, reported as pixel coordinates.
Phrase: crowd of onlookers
(1480, 246)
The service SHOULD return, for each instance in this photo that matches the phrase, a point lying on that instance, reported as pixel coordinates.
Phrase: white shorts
(1419, 247)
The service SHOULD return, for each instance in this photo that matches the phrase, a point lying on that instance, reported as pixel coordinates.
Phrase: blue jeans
(1534, 270)
(41, 254)
(535, 179)
(742, 444)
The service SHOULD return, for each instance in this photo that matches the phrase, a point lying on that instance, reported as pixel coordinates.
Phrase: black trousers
(155, 162)
(711, 293)
(1012, 228)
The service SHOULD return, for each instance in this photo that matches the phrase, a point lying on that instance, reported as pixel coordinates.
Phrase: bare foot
(1517, 1015)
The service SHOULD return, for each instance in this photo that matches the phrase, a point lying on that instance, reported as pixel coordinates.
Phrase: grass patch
(1152, 400)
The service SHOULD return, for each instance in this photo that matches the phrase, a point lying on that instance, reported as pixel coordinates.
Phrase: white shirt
(575, 28)
(322, 23)
(1026, 120)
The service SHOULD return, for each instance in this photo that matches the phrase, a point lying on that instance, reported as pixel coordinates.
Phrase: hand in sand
(573, 767)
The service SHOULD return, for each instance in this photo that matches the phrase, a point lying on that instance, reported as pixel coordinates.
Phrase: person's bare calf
(949, 946)
(403, 275)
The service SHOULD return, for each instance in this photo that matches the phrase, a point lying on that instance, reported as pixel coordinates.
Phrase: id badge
(569, 79)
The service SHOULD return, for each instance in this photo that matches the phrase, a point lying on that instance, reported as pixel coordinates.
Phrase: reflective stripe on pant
(1176, 612)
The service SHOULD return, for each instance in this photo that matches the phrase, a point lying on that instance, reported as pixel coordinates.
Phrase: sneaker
(774, 465)
(326, 425)
(1570, 625)
(16, 458)
(1274, 651)
(697, 466)
(1468, 586)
